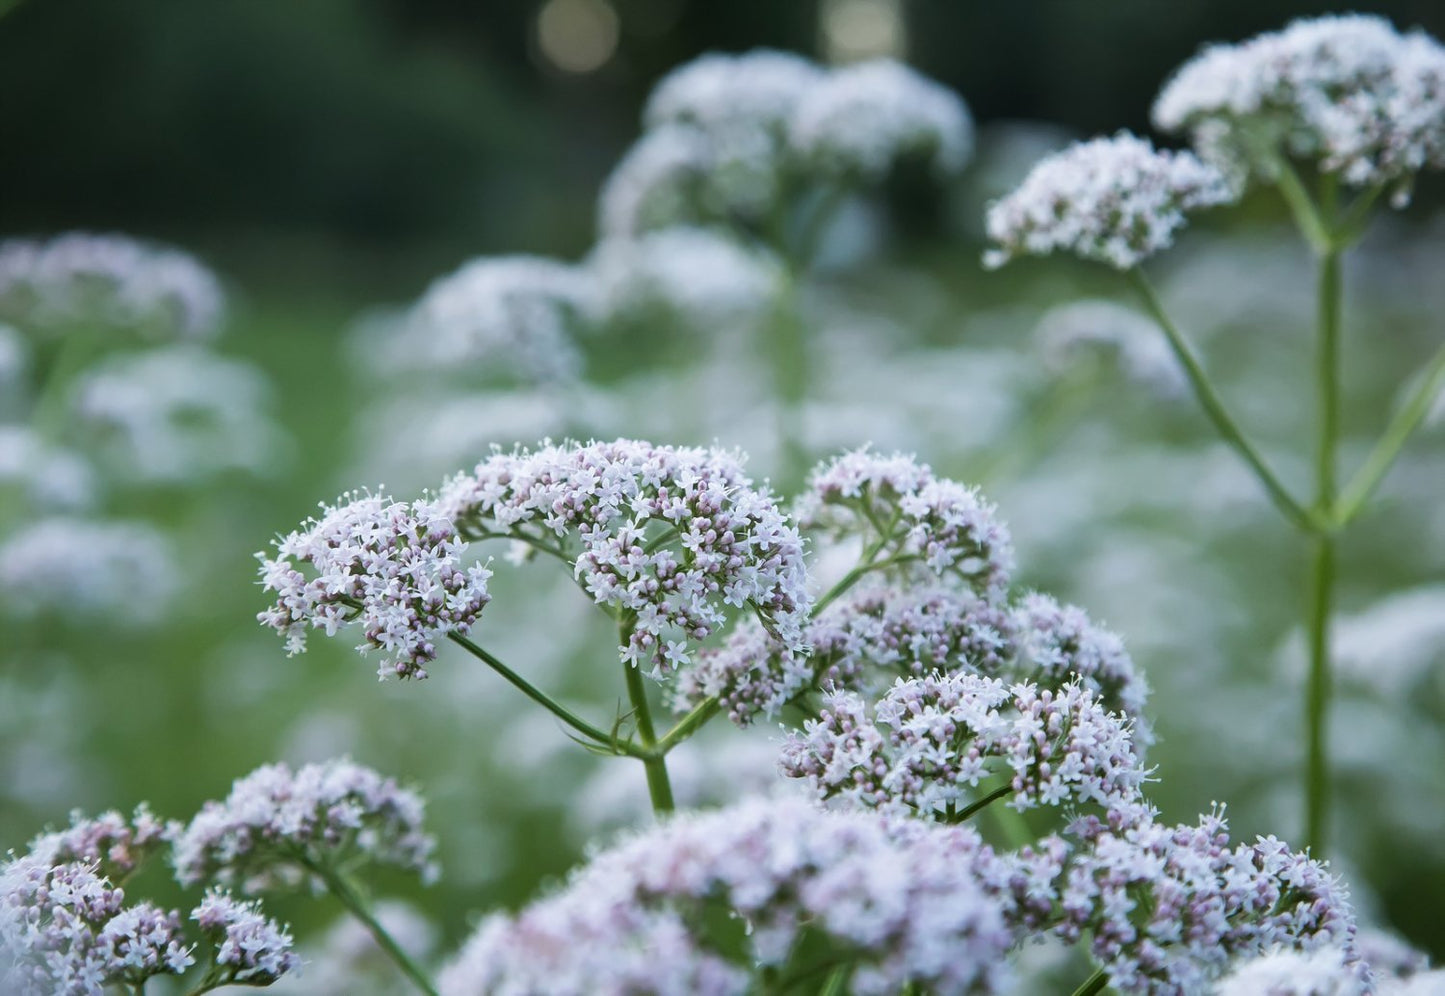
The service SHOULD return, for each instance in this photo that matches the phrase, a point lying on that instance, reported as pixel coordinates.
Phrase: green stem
(1308, 521)
(1392, 441)
(659, 788)
(1322, 574)
(349, 897)
(1306, 215)
(790, 379)
(601, 737)
(837, 981)
(688, 725)
(1093, 984)
(974, 807)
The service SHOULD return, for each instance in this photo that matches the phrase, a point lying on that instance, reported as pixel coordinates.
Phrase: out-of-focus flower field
(1045, 383)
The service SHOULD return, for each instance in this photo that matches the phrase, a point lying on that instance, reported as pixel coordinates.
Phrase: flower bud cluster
(668, 537)
(65, 928)
(277, 825)
(927, 744)
(913, 904)
(1111, 200)
(1348, 93)
(109, 842)
(82, 279)
(876, 630)
(1167, 909)
(927, 525)
(393, 567)
(251, 948)
(729, 137)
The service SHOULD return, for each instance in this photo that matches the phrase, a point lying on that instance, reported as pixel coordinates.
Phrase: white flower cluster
(65, 928)
(1112, 200)
(276, 822)
(683, 276)
(48, 476)
(1394, 969)
(930, 741)
(393, 567)
(110, 842)
(864, 117)
(671, 536)
(508, 318)
(122, 570)
(1167, 909)
(729, 137)
(251, 948)
(929, 527)
(914, 904)
(1349, 93)
(1080, 330)
(1060, 642)
(876, 630)
(80, 279)
(177, 414)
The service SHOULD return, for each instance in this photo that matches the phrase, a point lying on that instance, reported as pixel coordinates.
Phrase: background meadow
(329, 160)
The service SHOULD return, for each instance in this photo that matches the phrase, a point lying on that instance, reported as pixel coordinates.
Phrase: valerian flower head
(1348, 93)
(912, 904)
(65, 928)
(277, 826)
(50, 477)
(928, 744)
(869, 636)
(862, 119)
(1060, 643)
(1111, 200)
(508, 318)
(251, 949)
(1324, 971)
(1167, 909)
(394, 568)
(758, 89)
(1081, 330)
(177, 414)
(925, 526)
(672, 537)
(122, 570)
(683, 276)
(107, 282)
(110, 842)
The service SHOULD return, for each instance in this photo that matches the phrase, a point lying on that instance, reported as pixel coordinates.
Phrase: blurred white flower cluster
(114, 388)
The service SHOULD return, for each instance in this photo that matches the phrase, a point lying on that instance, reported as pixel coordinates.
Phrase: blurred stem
(789, 350)
(1307, 521)
(659, 788)
(1362, 486)
(601, 737)
(356, 904)
(837, 981)
(1307, 215)
(980, 804)
(73, 355)
(1093, 984)
(1322, 573)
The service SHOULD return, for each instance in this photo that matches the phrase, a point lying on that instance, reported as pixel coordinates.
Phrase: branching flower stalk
(1365, 106)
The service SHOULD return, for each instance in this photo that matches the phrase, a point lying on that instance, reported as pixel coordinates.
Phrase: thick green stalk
(344, 891)
(659, 788)
(1322, 573)
(1306, 520)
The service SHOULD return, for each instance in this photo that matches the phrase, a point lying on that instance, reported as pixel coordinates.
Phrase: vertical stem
(659, 788)
(1322, 573)
(789, 351)
(344, 891)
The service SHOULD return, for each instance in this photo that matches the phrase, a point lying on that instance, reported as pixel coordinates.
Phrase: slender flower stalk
(659, 788)
(347, 894)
